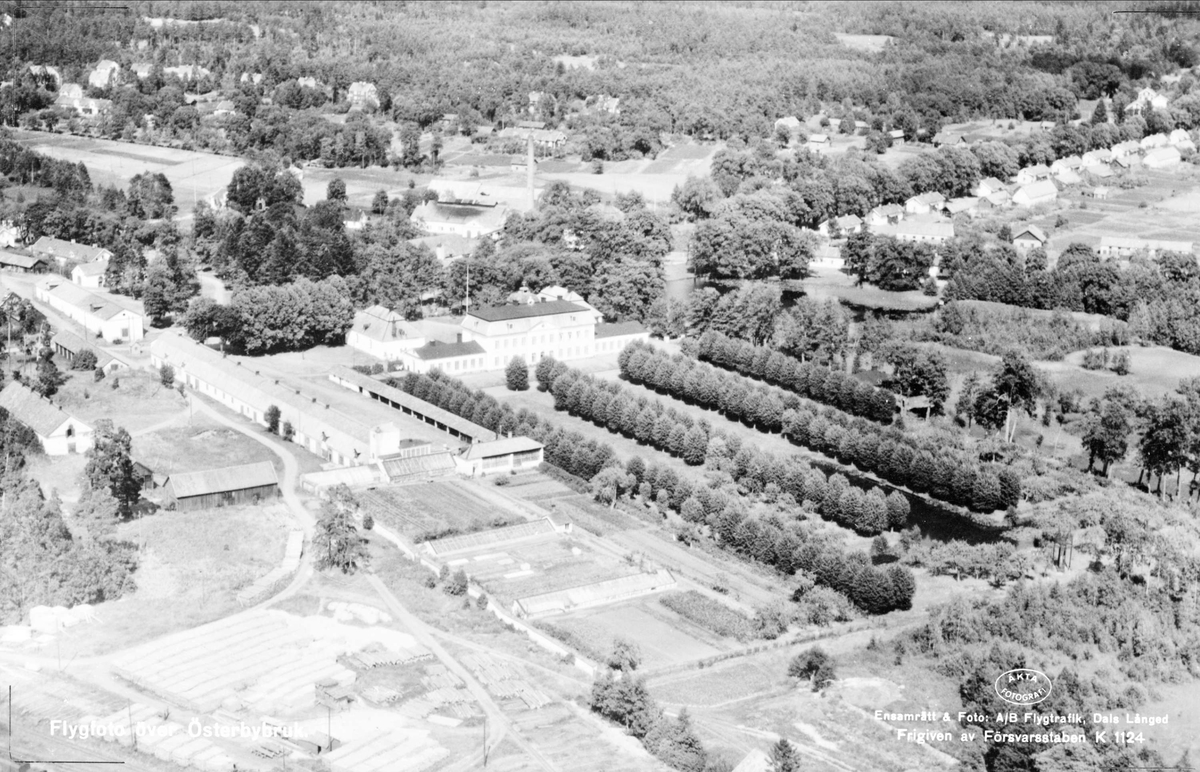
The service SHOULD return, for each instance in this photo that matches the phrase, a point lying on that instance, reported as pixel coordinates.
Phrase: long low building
(1127, 246)
(348, 439)
(209, 488)
(410, 405)
(100, 316)
(500, 457)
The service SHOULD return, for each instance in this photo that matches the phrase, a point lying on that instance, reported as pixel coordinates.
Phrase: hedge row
(609, 404)
(921, 464)
(808, 380)
(769, 541)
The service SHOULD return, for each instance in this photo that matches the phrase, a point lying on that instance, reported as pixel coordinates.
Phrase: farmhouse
(1126, 148)
(68, 345)
(99, 316)
(844, 225)
(106, 73)
(383, 333)
(887, 214)
(63, 252)
(90, 275)
(1029, 237)
(211, 488)
(350, 437)
(1042, 192)
(924, 203)
(1162, 157)
(987, 186)
(1125, 246)
(499, 457)
(22, 263)
(1031, 174)
(363, 95)
(59, 432)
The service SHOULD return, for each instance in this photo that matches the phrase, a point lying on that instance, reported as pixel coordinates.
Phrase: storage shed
(245, 484)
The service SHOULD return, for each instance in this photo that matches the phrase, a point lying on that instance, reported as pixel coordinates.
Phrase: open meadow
(198, 443)
(133, 399)
(190, 568)
(193, 175)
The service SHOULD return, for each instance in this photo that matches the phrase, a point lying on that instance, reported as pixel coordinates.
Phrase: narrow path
(424, 634)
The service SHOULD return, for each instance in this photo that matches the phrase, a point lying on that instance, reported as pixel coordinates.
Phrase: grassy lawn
(139, 400)
(191, 566)
(827, 282)
(201, 443)
(1156, 370)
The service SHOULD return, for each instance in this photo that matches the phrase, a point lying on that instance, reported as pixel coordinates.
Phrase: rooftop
(86, 300)
(68, 249)
(501, 448)
(435, 350)
(33, 410)
(403, 398)
(619, 328)
(508, 313)
(382, 324)
(229, 478)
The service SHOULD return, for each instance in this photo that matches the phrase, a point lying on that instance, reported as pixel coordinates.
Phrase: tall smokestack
(529, 169)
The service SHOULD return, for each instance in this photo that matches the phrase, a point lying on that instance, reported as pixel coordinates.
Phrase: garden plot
(423, 511)
(534, 568)
(268, 661)
(661, 641)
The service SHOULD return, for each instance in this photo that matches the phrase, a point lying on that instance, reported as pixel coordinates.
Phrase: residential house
(1098, 156)
(1152, 141)
(227, 486)
(998, 200)
(383, 333)
(1147, 99)
(840, 226)
(1127, 246)
(604, 103)
(90, 275)
(1162, 158)
(961, 206)
(887, 214)
(99, 316)
(1099, 170)
(71, 91)
(924, 203)
(59, 432)
(363, 95)
(1127, 148)
(64, 252)
(1031, 174)
(81, 105)
(1029, 237)
(503, 456)
(948, 138)
(447, 247)
(1181, 139)
(187, 72)
(1070, 163)
(818, 142)
(1067, 177)
(791, 123)
(1035, 193)
(861, 127)
(1098, 192)
(106, 74)
(142, 69)
(224, 108)
(458, 357)
(896, 136)
(987, 186)
(308, 82)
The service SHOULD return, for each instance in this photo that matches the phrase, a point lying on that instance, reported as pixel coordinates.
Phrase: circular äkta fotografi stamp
(1023, 686)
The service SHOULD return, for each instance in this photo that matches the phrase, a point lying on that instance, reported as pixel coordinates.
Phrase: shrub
(166, 376)
(271, 416)
(287, 431)
(710, 614)
(85, 360)
(814, 664)
(368, 522)
(457, 584)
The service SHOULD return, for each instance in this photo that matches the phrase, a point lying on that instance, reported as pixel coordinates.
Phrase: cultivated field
(664, 637)
(425, 510)
(193, 175)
